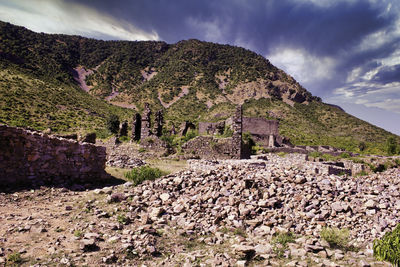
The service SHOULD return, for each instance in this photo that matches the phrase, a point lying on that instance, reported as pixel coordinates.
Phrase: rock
(164, 197)
(241, 263)
(245, 251)
(370, 204)
(109, 259)
(88, 245)
(263, 249)
(363, 263)
(336, 206)
(338, 256)
(116, 197)
(156, 212)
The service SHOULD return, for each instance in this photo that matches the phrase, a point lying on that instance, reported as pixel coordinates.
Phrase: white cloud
(56, 16)
(369, 94)
(303, 66)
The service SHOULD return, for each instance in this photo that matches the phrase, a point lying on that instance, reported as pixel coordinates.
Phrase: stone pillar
(159, 123)
(146, 123)
(271, 141)
(237, 134)
(136, 127)
(123, 129)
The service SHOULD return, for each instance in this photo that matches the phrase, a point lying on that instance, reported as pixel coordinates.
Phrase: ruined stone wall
(211, 148)
(33, 158)
(260, 126)
(211, 127)
(208, 147)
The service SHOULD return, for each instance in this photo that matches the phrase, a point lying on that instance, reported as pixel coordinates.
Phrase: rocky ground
(261, 212)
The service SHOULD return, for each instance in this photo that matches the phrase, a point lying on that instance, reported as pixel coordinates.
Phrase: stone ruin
(209, 147)
(34, 159)
(145, 130)
(264, 132)
(212, 128)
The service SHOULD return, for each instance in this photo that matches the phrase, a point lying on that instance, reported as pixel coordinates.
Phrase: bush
(337, 238)
(345, 155)
(113, 124)
(391, 146)
(362, 146)
(140, 174)
(190, 135)
(388, 247)
(280, 243)
(14, 259)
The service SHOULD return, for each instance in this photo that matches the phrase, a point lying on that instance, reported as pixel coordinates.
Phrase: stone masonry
(158, 127)
(136, 127)
(146, 122)
(237, 133)
(34, 158)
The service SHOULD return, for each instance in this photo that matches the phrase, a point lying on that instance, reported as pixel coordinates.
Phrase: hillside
(189, 80)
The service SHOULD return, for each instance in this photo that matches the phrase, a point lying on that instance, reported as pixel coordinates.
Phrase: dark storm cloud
(388, 74)
(264, 24)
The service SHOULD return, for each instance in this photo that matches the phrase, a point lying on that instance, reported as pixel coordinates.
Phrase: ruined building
(264, 132)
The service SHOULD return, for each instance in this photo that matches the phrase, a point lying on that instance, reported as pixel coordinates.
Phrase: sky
(345, 51)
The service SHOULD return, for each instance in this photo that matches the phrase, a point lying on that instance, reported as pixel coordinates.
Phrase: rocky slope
(222, 213)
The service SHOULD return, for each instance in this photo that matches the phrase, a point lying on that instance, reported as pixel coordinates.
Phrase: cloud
(56, 16)
(301, 65)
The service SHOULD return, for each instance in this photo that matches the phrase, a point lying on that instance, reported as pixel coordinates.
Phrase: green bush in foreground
(140, 174)
(388, 247)
(337, 238)
(280, 243)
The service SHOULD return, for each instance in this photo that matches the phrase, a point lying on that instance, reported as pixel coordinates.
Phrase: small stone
(88, 245)
(370, 204)
(364, 264)
(164, 197)
(241, 263)
(64, 261)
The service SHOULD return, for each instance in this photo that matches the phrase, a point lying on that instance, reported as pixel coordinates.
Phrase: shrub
(337, 238)
(388, 247)
(190, 135)
(315, 154)
(362, 146)
(282, 154)
(14, 258)
(345, 155)
(280, 242)
(122, 219)
(140, 174)
(113, 123)
(391, 146)
(78, 233)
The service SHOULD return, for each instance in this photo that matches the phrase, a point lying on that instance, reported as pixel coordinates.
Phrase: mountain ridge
(189, 80)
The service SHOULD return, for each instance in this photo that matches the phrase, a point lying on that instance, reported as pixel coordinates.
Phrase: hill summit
(68, 83)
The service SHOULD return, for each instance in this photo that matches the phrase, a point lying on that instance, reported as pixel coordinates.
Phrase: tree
(362, 146)
(113, 123)
(391, 146)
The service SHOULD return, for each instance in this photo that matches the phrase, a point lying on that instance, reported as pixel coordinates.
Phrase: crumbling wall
(33, 158)
(208, 147)
(212, 127)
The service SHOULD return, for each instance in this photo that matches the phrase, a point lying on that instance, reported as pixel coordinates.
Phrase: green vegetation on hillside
(190, 80)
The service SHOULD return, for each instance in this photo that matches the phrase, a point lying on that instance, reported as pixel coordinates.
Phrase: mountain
(44, 78)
